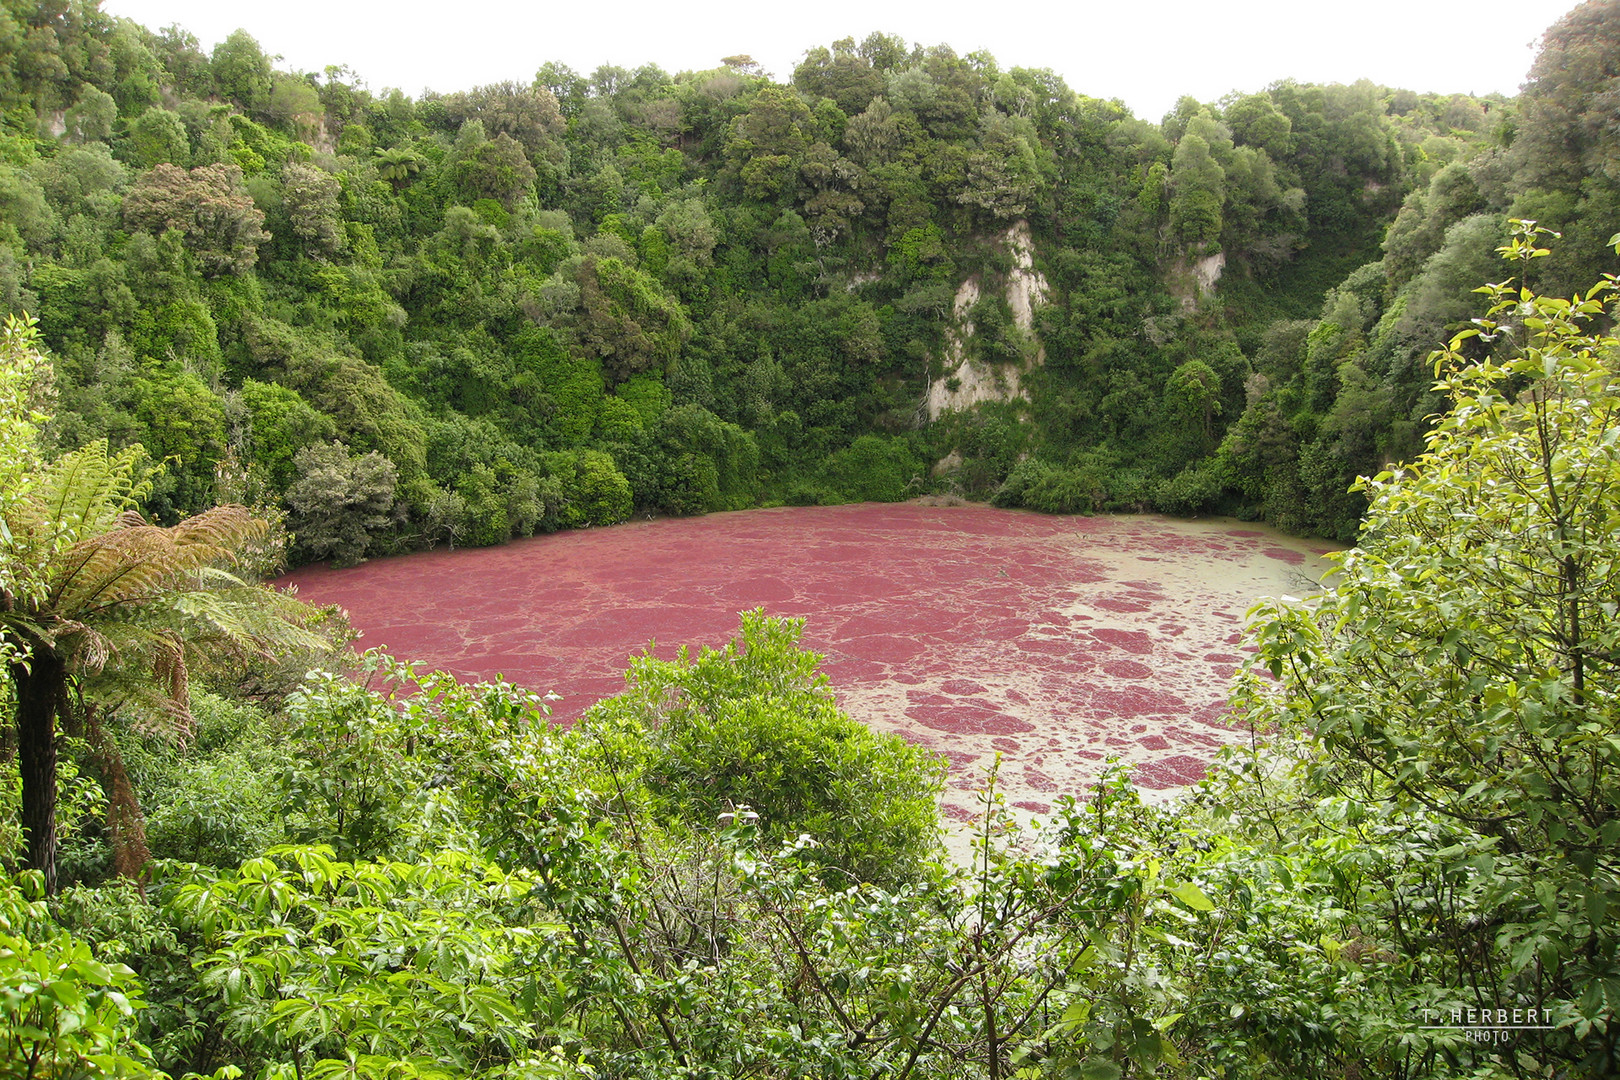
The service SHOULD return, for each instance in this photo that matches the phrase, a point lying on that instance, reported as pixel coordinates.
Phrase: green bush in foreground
(63, 1012)
(754, 724)
(1459, 690)
(718, 955)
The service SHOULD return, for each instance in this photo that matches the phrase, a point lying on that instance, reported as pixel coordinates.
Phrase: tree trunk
(39, 686)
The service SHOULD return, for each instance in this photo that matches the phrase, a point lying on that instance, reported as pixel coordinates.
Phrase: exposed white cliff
(1192, 282)
(1026, 288)
(966, 381)
(1207, 272)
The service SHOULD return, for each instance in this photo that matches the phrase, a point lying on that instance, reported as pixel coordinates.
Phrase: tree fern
(99, 601)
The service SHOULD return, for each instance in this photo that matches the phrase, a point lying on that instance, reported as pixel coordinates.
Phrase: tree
(242, 71)
(768, 142)
(339, 500)
(873, 469)
(627, 319)
(208, 206)
(1194, 392)
(295, 106)
(841, 74)
(490, 168)
(182, 425)
(1567, 152)
(22, 370)
(754, 724)
(158, 137)
(1003, 176)
(280, 424)
(1568, 99)
(529, 114)
(594, 491)
(92, 117)
(705, 463)
(182, 59)
(1197, 184)
(1255, 122)
(98, 605)
(310, 196)
(397, 165)
(1465, 669)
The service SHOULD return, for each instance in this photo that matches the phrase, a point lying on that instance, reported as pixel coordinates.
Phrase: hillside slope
(530, 307)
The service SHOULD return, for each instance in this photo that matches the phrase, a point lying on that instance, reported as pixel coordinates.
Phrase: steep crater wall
(966, 381)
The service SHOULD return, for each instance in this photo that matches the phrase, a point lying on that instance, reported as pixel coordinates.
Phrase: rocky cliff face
(1026, 287)
(967, 381)
(1207, 272)
(1193, 281)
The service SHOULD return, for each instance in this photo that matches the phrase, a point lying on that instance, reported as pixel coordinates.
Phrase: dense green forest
(253, 308)
(234, 870)
(529, 307)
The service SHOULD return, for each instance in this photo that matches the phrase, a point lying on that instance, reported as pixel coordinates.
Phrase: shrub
(62, 1012)
(872, 469)
(754, 723)
(1457, 689)
(1194, 490)
(1054, 489)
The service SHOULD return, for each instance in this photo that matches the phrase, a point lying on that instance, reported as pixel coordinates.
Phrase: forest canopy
(524, 307)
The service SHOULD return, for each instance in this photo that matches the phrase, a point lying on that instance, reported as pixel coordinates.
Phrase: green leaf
(1164, 1023)
(1193, 897)
(1597, 906)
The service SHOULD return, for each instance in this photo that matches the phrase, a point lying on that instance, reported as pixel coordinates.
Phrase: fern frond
(225, 528)
(126, 824)
(89, 646)
(83, 493)
(130, 606)
(248, 618)
(137, 563)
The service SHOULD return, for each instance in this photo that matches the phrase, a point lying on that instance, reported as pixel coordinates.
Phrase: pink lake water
(1055, 642)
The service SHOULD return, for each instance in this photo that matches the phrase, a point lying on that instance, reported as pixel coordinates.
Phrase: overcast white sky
(1147, 53)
